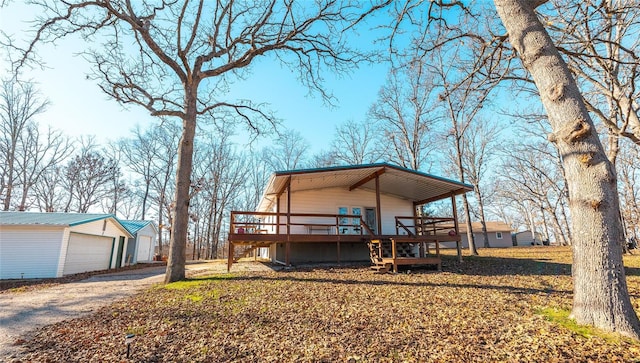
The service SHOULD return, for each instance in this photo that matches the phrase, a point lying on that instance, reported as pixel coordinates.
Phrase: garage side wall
(29, 252)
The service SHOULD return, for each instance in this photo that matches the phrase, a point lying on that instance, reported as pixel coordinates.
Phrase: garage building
(44, 245)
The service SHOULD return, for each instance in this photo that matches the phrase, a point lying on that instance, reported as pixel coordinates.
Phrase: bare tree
(167, 139)
(49, 193)
(117, 188)
(140, 152)
(479, 146)
(405, 111)
(288, 152)
(38, 153)
(88, 178)
(600, 42)
(629, 174)
(186, 52)
(601, 297)
(357, 143)
(19, 104)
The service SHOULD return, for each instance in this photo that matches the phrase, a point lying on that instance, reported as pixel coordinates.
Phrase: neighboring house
(499, 234)
(43, 245)
(527, 238)
(141, 246)
(349, 213)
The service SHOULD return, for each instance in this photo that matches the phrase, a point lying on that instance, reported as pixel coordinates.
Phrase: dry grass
(496, 307)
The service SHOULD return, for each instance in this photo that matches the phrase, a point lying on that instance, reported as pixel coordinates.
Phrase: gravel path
(23, 312)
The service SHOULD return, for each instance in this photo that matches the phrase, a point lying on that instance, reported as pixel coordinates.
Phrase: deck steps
(382, 268)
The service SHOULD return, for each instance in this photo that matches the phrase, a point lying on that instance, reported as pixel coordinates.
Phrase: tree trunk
(177, 258)
(472, 243)
(483, 221)
(600, 297)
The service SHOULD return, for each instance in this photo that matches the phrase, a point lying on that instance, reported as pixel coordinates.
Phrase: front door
(370, 219)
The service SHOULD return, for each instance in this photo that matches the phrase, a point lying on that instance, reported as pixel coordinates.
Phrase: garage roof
(133, 226)
(396, 181)
(53, 219)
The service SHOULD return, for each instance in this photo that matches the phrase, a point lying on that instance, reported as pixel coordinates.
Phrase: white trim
(62, 258)
(498, 235)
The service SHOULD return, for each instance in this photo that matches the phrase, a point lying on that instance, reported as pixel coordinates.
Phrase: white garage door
(144, 249)
(87, 253)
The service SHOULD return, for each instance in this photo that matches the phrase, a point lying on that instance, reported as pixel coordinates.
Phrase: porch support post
(230, 256)
(378, 209)
(278, 215)
(288, 244)
(455, 226)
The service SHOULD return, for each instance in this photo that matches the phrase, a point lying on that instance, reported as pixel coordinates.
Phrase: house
(141, 247)
(527, 238)
(348, 213)
(499, 234)
(43, 245)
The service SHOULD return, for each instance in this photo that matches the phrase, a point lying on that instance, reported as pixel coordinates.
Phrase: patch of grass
(194, 297)
(561, 317)
(197, 281)
(136, 330)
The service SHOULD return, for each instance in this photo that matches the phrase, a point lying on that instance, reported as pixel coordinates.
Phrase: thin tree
(405, 112)
(20, 102)
(37, 154)
(289, 151)
(357, 143)
(177, 59)
(140, 152)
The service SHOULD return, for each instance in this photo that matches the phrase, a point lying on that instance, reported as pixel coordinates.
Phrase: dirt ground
(24, 310)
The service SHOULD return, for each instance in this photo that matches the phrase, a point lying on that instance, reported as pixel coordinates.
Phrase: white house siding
(87, 253)
(327, 201)
(29, 251)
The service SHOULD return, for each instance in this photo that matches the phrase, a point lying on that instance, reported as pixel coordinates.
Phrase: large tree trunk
(177, 254)
(600, 297)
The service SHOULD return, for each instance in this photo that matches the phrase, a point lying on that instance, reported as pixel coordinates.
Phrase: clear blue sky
(78, 107)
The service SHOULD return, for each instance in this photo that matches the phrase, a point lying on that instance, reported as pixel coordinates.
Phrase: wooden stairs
(383, 258)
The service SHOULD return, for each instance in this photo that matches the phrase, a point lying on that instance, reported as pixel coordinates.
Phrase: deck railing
(426, 226)
(297, 223)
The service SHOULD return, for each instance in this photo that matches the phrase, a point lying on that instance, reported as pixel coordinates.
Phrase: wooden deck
(386, 251)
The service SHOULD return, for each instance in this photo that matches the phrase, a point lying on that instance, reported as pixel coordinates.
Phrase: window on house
(499, 235)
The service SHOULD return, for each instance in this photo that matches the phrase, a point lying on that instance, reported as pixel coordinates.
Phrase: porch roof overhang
(415, 186)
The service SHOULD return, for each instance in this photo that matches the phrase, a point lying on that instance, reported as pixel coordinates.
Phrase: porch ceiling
(395, 181)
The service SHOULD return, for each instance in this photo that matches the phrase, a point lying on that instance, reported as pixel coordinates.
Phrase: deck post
(230, 256)
(455, 226)
(288, 244)
(394, 255)
(378, 209)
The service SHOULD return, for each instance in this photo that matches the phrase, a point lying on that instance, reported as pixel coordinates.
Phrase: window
(499, 235)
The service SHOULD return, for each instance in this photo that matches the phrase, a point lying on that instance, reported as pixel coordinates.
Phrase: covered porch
(393, 231)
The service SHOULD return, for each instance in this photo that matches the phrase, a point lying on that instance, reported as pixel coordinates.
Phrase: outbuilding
(141, 246)
(44, 245)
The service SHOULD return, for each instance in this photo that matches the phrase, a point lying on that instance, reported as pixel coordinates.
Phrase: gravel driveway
(23, 312)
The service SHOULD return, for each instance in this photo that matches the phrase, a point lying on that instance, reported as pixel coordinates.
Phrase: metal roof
(394, 180)
(133, 226)
(54, 219)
